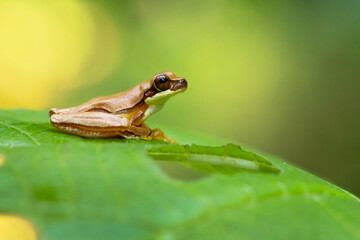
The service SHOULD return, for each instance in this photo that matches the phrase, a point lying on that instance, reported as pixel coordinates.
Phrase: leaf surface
(75, 188)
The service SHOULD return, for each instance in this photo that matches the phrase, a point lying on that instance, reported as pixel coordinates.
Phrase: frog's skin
(122, 114)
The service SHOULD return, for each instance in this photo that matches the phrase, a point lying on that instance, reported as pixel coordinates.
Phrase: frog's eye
(162, 82)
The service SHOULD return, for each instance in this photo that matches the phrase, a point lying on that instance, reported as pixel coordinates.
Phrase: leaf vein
(28, 135)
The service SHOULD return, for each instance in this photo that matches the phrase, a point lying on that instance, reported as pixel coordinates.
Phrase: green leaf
(226, 159)
(75, 188)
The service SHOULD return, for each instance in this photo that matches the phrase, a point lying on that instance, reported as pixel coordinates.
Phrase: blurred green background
(280, 76)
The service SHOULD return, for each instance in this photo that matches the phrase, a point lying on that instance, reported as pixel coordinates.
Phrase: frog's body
(122, 114)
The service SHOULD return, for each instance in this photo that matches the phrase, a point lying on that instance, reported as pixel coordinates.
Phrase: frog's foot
(157, 134)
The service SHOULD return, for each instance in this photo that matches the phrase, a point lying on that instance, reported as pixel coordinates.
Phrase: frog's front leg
(157, 134)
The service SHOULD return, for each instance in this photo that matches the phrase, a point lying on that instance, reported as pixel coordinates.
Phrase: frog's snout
(180, 85)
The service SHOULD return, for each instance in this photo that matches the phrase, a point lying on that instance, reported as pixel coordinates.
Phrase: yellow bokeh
(2, 159)
(16, 228)
(45, 47)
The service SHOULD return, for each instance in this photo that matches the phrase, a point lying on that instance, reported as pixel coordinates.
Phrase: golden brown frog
(122, 114)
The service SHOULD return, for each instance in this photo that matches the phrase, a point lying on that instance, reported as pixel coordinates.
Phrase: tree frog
(122, 114)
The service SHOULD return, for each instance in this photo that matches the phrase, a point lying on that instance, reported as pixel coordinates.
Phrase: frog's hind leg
(92, 124)
(102, 125)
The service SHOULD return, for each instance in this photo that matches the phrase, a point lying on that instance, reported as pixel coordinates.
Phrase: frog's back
(122, 100)
(112, 103)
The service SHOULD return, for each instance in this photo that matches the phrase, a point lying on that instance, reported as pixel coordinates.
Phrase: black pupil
(163, 79)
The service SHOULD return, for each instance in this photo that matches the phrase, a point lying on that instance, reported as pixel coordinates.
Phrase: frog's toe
(157, 134)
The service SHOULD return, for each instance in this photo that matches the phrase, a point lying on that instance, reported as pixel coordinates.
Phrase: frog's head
(164, 86)
(169, 81)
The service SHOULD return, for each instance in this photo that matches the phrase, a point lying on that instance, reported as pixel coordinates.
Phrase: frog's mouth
(161, 97)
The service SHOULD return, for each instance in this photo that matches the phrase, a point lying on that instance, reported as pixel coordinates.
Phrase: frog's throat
(157, 101)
